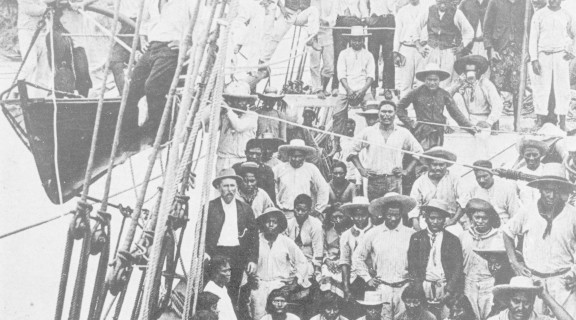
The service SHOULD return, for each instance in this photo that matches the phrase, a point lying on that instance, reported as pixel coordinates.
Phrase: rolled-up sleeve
(515, 226)
(360, 143)
(360, 256)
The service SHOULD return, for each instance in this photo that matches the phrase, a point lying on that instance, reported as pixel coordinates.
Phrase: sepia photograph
(288, 159)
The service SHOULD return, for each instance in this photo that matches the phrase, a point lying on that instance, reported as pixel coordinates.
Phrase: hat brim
(540, 145)
(216, 181)
(407, 203)
(282, 221)
(285, 149)
(544, 180)
(421, 75)
(350, 208)
(428, 207)
(486, 254)
(271, 96)
(240, 96)
(479, 61)
(502, 292)
(369, 303)
(443, 154)
(368, 113)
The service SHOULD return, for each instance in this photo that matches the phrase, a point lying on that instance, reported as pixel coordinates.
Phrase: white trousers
(445, 60)
(479, 293)
(554, 72)
(36, 68)
(393, 305)
(309, 17)
(321, 65)
(556, 288)
(405, 75)
(259, 297)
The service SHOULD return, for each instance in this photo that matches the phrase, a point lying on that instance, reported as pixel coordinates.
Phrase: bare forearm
(555, 307)
(510, 250)
(345, 275)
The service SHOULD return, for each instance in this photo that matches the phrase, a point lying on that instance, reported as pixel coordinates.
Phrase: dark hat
(226, 174)
(269, 212)
(406, 203)
(248, 167)
(439, 152)
(268, 141)
(480, 62)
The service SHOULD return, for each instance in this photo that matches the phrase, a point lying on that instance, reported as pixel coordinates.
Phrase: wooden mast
(523, 65)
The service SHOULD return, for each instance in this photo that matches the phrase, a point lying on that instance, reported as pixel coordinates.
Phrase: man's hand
(174, 45)
(374, 282)
(285, 13)
(347, 293)
(399, 172)
(568, 56)
(570, 281)
(251, 268)
(423, 50)
(520, 269)
(483, 125)
(366, 173)
(457, 50)
(399, 59)
(333, 266)
(536, 67)
(144, 44)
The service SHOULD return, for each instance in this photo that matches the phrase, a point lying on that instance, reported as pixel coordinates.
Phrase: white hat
(371, 298)
(357, 31)
(432, 68)
(357, 202)
(525, 284)
(295, 145)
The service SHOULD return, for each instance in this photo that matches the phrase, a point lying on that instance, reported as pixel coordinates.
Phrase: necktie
(298, 239)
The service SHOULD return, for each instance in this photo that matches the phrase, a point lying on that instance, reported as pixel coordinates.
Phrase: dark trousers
(341, 42)
(382, 41)
(120, 57)
(152, 77)
(238, 264)
(82, 71)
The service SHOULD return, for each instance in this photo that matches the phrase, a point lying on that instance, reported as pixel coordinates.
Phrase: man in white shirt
(549, 230)
(387, 246)
(356, 69)
(552, 45)
(219, 274)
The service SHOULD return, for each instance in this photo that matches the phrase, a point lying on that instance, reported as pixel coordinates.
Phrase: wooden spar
(523, 66)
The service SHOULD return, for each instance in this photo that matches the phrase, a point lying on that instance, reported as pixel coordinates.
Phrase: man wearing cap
(383, 143)
(549, 230)
(249, 192)
(280, 261)
(520, 296)
(429, 102)
(437, 183)
(357, 210)
(236, 127)
(231, 230)
(498, 192)
(297, 176)
(445, 32)
(435, 258)
(270, 97)
(356, 69)
(386, 246)
(551, 46)
(482, 234)
(372, 305)
(264, 174)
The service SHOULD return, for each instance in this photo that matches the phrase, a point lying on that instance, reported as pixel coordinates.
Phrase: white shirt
(356, 67)
(382, 7)
(356, 8)
(229, 233)
(225, 307)
(424, 190)
(434, 269)
(30, 13)
(502, 195)
(526, 194)
(291, 182)
(551, 31)
(282, 261)
(168, 25)
(235, 132)
(406, 31)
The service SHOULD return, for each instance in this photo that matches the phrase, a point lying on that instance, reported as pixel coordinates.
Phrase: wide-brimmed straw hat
(553, 173)
(238, 90)
(439, 152)
(372, 108)
(406, 203)
(268, 141)
(371, 298)
(551, 130)
(357, 31)
(295, 145)
(248, 167)
(271, 93)
(517, 284)
(226, 174)
(533, 142)
(272, 211)
(480, 62)
(438, 206)
(432, 68)
(349, 208)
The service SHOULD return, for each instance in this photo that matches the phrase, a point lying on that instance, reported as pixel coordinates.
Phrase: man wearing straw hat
(435, 258)
(386, 246)
(236, 128)
(520, 296)
(231, 230)
(429, 102)
(356, 69)
(549, 230)
(270, 98)
(372, 305)
(280, 261)
(437, 183)
(384, 143)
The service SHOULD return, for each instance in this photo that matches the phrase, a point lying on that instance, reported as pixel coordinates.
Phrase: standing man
(447, 33)
(249, 192)
(297, 177)
(236, 128)
(322, 50)
(280, 261)
(475, 11)
(437, 183)
(382, 16)
(383, 166)
(407, 58)
(503, 34)
(356, 70)
(435, 259)
(386, 246)
(552, 45)
(549, 231)
(270, 99)
(429, 101)
(231, 230)
(219, 272)
(499, 193)
(264, 174)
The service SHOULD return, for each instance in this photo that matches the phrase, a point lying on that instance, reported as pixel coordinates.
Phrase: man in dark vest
(474, 11)
(447, 33)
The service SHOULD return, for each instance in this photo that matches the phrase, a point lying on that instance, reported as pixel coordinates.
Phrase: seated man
(276, 307)
(414, 299)
(341, 190)
(329, 307)
(371, 305)
(520, 295)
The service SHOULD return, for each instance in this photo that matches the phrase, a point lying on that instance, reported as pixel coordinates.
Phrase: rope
(34, 225)
(55, 114)
(495, 131)
(108, 33)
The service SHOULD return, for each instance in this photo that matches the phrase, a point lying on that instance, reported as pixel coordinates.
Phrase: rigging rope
(34, 225)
